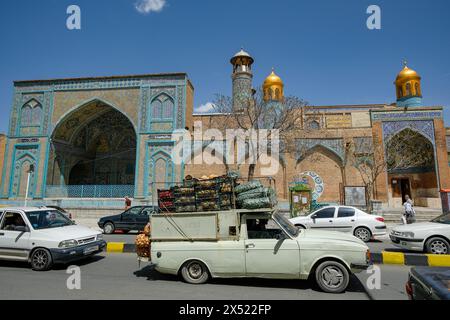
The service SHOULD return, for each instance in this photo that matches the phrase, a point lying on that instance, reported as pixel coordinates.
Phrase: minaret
(408, 87)
(242, 79)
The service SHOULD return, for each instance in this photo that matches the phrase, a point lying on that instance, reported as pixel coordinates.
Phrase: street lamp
(30, 171)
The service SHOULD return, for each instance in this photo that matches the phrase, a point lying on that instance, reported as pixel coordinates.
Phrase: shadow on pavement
(151, 274)
(59, 266)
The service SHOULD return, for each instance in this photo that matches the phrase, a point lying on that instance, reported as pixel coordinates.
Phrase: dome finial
(405, 63)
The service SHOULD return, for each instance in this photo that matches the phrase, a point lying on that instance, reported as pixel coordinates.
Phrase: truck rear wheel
(332, 277)
(195, 272)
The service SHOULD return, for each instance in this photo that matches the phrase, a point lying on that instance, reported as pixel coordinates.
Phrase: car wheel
(363, 233)
(300, 226)
(332, 277)
(41, 260)
(109, 228)
(195, 272)
(437, 245)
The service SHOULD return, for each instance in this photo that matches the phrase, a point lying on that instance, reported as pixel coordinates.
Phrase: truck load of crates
(215, 193)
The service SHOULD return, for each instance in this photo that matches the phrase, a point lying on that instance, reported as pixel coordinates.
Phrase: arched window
(31, 114)
(26, 116)
(400, 92)
(162, 113)
(156, 110)
(168, 107)
(314, 125)
(408, 89)
(417, 87)
(277, 94)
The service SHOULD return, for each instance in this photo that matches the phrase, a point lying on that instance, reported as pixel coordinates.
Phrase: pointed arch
(330, 153)
(86, 103)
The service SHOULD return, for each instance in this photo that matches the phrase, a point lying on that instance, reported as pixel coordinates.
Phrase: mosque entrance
(93, 154)
(411, 169)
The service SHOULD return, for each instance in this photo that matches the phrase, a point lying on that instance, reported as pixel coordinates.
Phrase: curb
(411, 259)
(120, 247)
(384, 257)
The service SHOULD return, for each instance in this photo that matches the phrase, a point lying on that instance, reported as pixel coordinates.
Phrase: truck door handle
(330, 221)
(353, 220)
(250, 245)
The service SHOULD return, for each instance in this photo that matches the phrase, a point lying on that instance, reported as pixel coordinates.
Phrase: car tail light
(409, 289)
(380, 219)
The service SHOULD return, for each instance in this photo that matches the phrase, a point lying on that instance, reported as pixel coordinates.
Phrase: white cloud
(205, 108)
(147, 6)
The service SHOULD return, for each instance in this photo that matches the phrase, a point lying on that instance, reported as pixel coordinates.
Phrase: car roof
(26, 209)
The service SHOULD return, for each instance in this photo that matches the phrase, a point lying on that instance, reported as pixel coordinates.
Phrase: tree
(256, 114)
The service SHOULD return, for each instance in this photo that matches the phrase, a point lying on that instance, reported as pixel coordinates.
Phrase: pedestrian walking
(127, 203)
(409, 214)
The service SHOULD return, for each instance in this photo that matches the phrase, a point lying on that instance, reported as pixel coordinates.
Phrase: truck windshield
(286, 224)
(47, 219)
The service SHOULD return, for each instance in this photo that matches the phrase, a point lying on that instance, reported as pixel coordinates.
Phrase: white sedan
(44, 237)
(432, 237)
(345, 219)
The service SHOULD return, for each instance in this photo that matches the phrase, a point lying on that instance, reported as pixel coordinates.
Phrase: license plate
(90, 250)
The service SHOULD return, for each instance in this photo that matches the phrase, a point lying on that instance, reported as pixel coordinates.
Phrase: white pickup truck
(45, 236)
(253, 243)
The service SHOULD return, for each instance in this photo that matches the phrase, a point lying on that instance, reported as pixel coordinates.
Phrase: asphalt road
(117, 276)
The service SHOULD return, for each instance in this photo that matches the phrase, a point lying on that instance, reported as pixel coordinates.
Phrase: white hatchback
(44, 236)
(345, 219)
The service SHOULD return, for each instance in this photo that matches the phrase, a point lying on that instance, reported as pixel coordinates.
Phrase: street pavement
(118, 277)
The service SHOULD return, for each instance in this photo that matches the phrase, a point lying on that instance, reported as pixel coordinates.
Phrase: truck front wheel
(332, 277)
(195, 272)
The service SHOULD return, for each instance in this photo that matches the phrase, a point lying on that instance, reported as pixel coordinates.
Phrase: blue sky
(322, 49)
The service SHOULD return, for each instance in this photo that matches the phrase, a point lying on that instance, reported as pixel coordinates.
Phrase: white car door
(270, 255)
(323, 219)
(345, 219)
(14, 244)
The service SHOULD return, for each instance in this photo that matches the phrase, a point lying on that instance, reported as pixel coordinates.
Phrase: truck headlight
(68, 244)
(99, 237)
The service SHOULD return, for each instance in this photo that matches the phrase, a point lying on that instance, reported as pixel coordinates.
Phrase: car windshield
(47, 219)
(286, 224)
(445, 219)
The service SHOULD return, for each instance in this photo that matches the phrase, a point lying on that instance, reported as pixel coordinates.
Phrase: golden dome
(273, 87)
(273, 80)
(407, 74)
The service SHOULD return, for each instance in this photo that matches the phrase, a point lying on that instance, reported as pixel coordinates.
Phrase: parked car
(44, 236)
(345, 219)
(253, 243)
(68, 214)
(425, 283)
(432, 237)
(135, 218)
